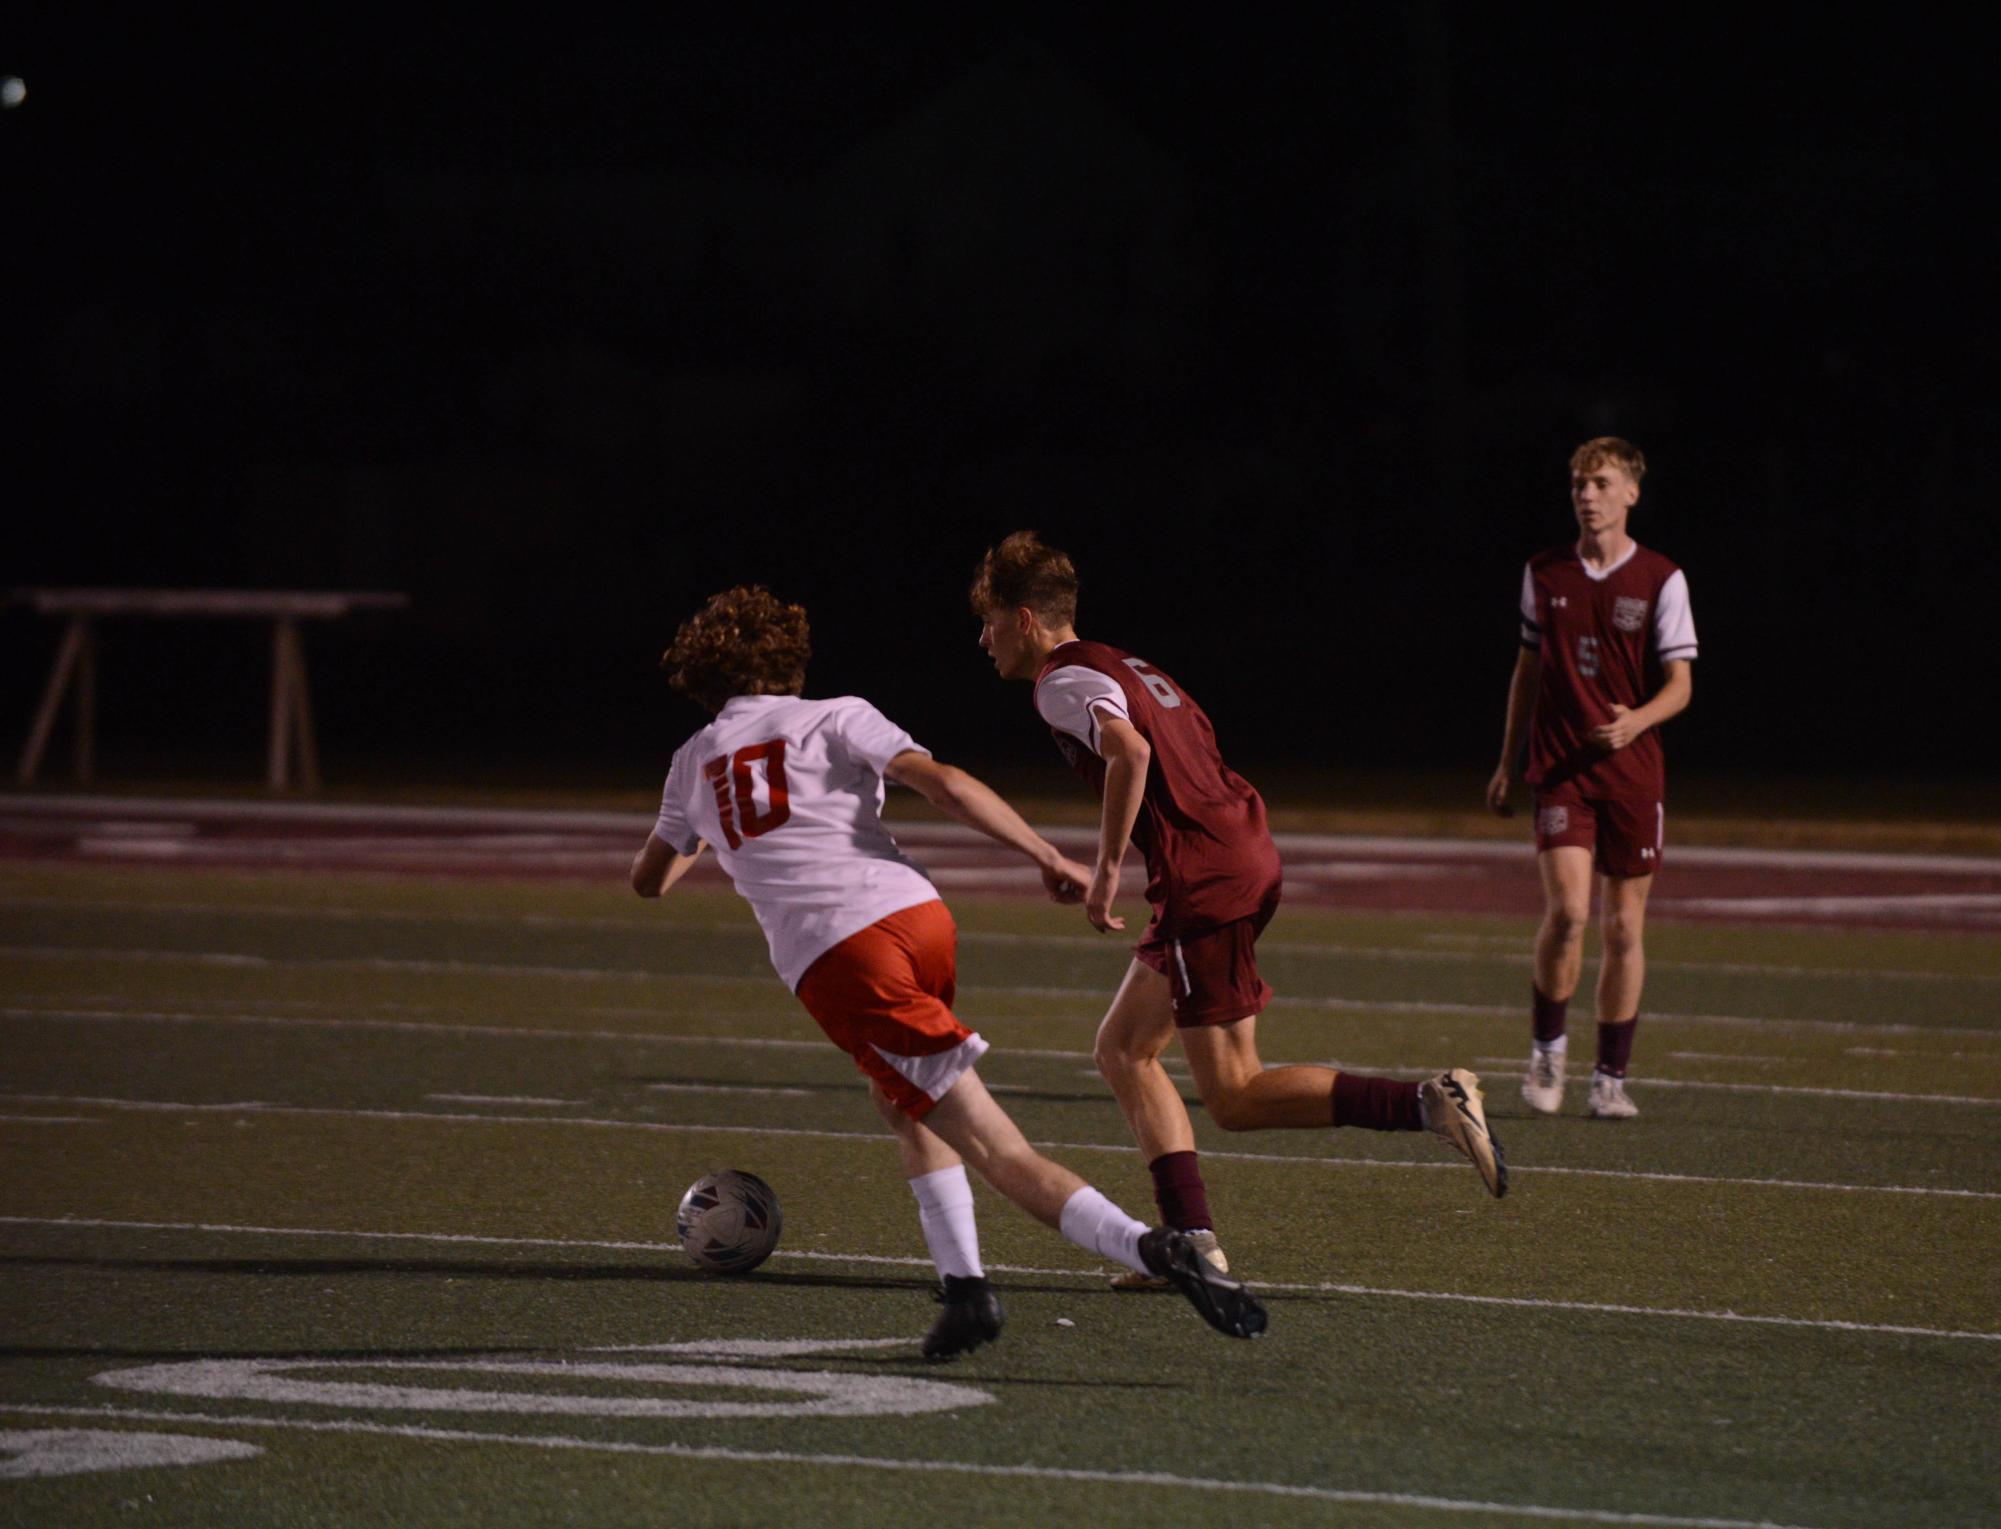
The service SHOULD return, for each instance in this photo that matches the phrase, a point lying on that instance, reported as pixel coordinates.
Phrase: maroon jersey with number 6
(1209, 853)
(1603, 635)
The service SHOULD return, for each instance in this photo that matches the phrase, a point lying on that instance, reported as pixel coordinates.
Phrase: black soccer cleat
(972, 1316)
(1224, 1304)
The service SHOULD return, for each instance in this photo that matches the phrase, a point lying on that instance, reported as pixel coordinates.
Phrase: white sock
(1556, 1047)
(1091, 1221)
(945, 1211)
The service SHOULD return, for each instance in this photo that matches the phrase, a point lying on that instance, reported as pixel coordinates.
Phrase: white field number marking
(708, 1365)
(26, 1452)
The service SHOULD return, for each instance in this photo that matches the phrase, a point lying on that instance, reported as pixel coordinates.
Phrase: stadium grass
(312, 1063)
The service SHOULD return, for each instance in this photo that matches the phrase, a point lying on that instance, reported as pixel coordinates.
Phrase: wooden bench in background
(291, 701)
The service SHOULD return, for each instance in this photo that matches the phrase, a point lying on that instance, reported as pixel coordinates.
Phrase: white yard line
(107, 955)
(1865, 1094)
(1909, 904)
(426, 1026)
(505, 1099)
(1716, 1056)
(1027, 1270)
(726, 1088)
(630, 827)
(310, 1022)
(1514, 1060)
(1390, 1007)
(795, 1458)
(878, 1138)
(1495, 951)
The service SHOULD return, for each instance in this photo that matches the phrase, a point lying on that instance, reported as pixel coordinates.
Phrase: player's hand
(1497, 792)
(1098, 901)
(1065, 881)
(1620, 731)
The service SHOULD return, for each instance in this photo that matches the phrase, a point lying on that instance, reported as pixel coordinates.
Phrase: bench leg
(302, 717)
(291, 711)
(75, 653)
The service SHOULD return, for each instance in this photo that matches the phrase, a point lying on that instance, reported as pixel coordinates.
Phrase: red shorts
(1625, 837)
(1212, 975)
(884, 996)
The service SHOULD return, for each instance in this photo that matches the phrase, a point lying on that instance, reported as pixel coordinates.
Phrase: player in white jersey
(789, 794)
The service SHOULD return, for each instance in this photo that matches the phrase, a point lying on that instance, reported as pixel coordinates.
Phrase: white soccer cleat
(1542, 1084)
(1608, 1099)
(1453, 1109)
(1204, 1243)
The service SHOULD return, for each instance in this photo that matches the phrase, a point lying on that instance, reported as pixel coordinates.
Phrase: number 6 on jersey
(1155, 683)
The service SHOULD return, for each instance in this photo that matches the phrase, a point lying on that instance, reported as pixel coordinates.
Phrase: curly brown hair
(1601, 449)
(745, 641)
(1024, 570)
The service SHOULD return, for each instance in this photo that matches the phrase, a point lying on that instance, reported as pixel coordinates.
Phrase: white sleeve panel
(1071, 698)
(672, 827)
(1531, 628)
(869, 736)
(1674, 621)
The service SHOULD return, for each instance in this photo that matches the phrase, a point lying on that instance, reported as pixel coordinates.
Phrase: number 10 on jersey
(732, 777)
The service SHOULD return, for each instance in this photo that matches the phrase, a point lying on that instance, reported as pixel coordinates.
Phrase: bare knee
(1120, 1056)
(1566, 921)
(1621, 933)
(1230, 1109)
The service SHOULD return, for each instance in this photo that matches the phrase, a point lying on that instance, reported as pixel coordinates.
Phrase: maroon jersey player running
(1213, 881)
(1607, 640)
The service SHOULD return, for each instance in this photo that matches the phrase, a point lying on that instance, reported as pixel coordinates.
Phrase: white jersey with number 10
(788, 793)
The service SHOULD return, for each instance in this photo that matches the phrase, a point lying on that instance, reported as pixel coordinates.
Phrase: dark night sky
(1283, 328)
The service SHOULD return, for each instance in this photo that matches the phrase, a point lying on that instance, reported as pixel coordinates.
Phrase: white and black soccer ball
(729, 1221)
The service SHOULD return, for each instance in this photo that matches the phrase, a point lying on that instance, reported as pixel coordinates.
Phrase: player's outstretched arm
(1522, 691)
(976, 804)
(657, 867)
(1671, 700)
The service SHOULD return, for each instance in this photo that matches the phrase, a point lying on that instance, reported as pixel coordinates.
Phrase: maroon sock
(1549, 1016)
(1180, 1193)
(1615, 1046)
(1377, 1104)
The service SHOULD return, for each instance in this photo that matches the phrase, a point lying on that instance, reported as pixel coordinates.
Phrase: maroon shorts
(1625, 837)
(1212, 974)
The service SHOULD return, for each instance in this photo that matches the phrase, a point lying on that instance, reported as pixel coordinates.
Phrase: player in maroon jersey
(1607, 641)
(1213, 880)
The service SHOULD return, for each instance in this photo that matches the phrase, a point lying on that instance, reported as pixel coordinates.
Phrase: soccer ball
(729, 1221)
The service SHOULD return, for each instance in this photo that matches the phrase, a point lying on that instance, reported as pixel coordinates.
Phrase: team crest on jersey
(1629, 614)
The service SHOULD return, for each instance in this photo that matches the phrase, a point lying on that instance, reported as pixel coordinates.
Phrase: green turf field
(376, 1179)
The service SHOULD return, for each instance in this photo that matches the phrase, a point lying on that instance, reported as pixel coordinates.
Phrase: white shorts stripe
(937, 1074)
